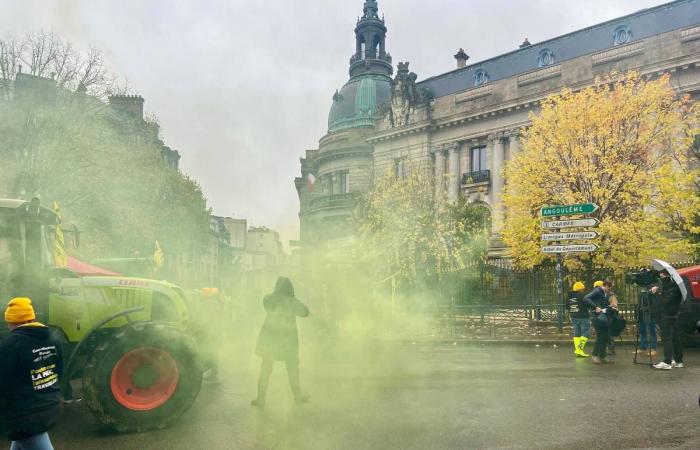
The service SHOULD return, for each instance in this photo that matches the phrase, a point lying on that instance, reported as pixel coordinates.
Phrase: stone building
(465, 124)
(130, 107)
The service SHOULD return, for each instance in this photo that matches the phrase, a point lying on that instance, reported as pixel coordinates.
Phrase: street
(430, 397)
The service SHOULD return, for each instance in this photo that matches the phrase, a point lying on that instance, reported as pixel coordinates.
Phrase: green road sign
(568, 210)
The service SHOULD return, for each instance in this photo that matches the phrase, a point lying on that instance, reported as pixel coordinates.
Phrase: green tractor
(128, 342)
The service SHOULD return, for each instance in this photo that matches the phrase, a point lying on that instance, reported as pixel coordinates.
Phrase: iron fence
(494, 298)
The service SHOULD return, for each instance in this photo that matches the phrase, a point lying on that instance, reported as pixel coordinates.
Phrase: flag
(157, 257)
(310, 180)
(59, 243)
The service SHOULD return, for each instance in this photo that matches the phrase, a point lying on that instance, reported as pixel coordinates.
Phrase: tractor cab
(25, 251)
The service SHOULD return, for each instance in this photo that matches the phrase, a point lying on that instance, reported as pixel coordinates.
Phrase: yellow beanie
(579, 286)
(598, 283)
(19, 310)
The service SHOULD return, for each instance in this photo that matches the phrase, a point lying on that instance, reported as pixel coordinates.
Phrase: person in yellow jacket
(580, 318)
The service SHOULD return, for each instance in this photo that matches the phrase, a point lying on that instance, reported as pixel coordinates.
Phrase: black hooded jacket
(31, 366)
(670, 298)
(278, 338)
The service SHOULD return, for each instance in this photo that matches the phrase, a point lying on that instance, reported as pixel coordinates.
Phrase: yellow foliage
(408, 231)
(622, 144)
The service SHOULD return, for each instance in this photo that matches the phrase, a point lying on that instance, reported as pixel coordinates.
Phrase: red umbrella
(83, 268)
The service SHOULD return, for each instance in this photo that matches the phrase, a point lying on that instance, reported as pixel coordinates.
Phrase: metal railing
(479, 176)
(333, 200)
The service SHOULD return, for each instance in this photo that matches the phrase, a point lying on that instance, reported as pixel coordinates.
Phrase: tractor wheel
(142, 377)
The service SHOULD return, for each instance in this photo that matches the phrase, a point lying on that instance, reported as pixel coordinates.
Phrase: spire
(370, 37)
(370, 10)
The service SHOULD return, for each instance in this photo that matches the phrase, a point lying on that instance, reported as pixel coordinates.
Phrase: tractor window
(10, 261)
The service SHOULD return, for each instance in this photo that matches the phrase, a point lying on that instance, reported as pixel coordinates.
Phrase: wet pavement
(430, 397)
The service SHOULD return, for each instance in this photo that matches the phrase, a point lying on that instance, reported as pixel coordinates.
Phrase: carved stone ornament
(405, 96)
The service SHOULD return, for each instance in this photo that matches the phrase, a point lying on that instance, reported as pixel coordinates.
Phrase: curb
(541, 342)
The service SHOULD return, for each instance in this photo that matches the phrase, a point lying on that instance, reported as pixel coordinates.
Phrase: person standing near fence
(597, 301)
(580, 318)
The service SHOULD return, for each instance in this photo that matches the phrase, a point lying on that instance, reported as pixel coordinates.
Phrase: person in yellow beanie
(580, 318)
(30, 373)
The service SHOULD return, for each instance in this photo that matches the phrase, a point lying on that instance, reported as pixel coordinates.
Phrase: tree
(104, 167)
(622, 144)
(410, 233)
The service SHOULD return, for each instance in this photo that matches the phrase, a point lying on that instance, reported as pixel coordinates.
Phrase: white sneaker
(663, 366)
(675, 364)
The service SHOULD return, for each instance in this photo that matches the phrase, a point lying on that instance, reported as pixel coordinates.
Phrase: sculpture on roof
(405, 96)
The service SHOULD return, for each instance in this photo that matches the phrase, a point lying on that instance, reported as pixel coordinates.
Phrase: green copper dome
(356, 103)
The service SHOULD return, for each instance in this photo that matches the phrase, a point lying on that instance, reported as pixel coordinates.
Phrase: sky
(243, 87)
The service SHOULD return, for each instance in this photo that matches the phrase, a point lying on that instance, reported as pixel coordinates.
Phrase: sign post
(556, 238)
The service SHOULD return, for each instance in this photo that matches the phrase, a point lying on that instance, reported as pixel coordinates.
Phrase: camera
(644, 277)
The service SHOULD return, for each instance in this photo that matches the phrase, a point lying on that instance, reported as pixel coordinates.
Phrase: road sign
(570, 236)
(568, 210)
(573, 223)
(575, 248)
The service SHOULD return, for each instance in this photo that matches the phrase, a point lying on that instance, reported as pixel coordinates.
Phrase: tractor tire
(142, 377)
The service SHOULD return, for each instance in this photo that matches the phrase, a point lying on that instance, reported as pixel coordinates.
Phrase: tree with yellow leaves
(407, 232)
(622, 144)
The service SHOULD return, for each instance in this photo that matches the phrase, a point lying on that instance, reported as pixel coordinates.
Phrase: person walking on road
(597, 301)
(279, 340)
(30, 373)
(670, 298)
(580, 318)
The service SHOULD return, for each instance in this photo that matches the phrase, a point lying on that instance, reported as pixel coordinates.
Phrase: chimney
(461, 58)
(132, 104)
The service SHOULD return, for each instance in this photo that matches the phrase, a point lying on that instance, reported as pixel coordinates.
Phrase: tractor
(127, 342)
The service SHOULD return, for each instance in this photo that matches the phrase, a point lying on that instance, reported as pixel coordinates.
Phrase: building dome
(355, 105)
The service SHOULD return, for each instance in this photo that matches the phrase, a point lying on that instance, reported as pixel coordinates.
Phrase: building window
(622, 35)
(545, 58)
(344, 182)
(478, 159)
(481, 77)
(400, 169)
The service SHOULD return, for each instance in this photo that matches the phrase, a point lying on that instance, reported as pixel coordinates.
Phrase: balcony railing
(335, 200)
(479, 176)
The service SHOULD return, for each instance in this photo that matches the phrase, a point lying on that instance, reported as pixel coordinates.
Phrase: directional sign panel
(570, 236)
(568, 210)
(575, 223)
(575, 248)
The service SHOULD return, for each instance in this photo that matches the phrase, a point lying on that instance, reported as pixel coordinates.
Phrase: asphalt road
(430, 397)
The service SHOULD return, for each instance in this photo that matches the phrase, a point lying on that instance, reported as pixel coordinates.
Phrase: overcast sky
(243, 87)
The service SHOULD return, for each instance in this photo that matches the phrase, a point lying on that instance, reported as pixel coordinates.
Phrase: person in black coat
(597, 301)
(670, 298)
(31, 367)
(279, 339)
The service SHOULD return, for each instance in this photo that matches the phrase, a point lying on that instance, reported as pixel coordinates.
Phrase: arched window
(545, 58)
(481, 77)
(622, 35)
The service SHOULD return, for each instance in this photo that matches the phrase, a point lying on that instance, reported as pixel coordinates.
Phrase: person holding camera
(580, 318)
(670, 298)
(597, 301)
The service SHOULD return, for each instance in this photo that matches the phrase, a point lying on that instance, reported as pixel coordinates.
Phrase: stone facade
(466, 123)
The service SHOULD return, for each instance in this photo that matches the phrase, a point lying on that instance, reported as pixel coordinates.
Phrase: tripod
(645, 316)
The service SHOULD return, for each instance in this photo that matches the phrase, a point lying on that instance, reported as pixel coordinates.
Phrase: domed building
(465, 124)
(334, 175)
